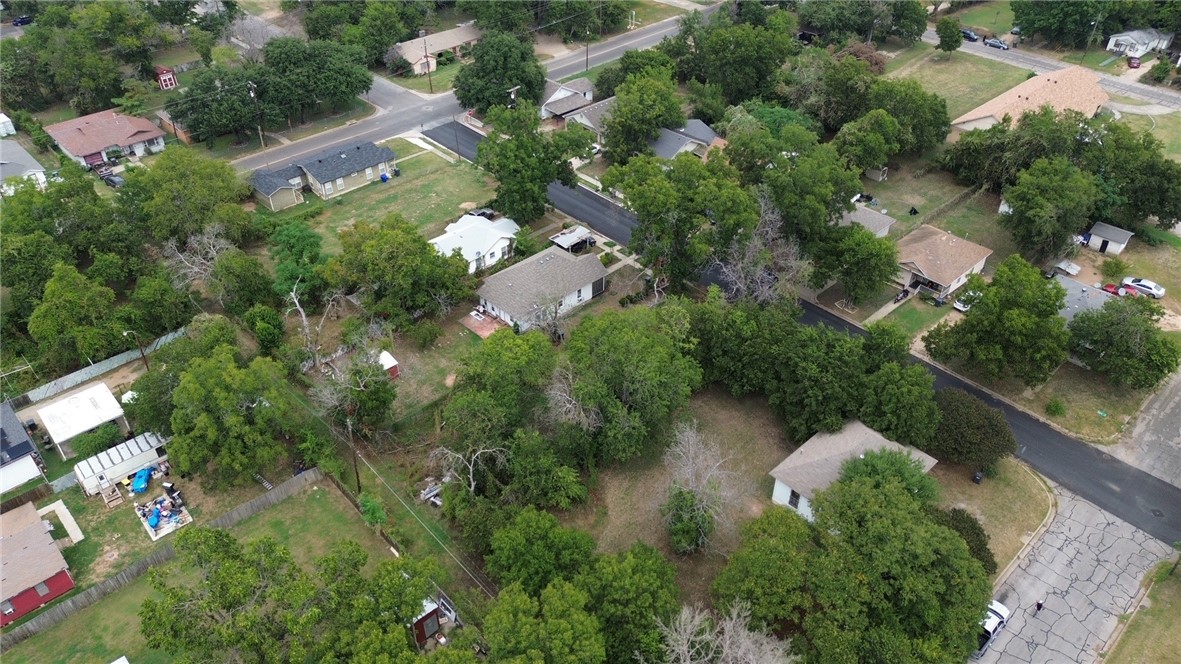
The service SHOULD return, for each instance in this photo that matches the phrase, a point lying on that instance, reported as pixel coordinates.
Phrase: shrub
(97, 441)
(1114, 269)
(267, 326)
(1160, 71)
(446, 58)
(1055, 408)
(425, 332)
(689, 526)
(970, 529)
(606, 259)
(971, 432)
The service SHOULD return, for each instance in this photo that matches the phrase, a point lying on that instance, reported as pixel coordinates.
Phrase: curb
(1122, 627)
(1004, 574)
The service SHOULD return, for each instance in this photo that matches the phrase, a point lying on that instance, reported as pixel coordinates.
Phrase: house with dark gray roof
(19, 462)
(1080, 297)
(329, 173)
(543, 286)
(695, 137)
(560, 99)
(592, 117)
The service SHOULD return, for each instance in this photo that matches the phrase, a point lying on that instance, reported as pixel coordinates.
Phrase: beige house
(1074, 88)
(937, 262)
(423, 53)
(871, 220)
(817, 464)
(327, 174)
(543, 286)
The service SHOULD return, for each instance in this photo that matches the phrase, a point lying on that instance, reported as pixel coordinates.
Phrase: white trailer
(114, 465)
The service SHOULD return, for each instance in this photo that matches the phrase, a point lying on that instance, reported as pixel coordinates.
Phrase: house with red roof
(94, 139)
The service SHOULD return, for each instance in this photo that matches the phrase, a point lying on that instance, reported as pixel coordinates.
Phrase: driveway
(1087, 568)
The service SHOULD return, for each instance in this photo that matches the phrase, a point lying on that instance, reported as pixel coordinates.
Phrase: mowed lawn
(989, 16)
(1166, 128)
(1154, 634)
(964, 80)
(308, 524)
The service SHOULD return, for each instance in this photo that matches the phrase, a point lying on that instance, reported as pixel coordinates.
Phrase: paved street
(1087, 568)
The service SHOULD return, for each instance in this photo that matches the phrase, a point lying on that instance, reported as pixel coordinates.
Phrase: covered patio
(78, 413)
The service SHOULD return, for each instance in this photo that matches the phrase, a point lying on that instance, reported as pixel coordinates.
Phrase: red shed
(166, 78)
(33, 572)
(389, 364)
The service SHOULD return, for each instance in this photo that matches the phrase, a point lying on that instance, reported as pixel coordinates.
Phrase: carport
(78, 413)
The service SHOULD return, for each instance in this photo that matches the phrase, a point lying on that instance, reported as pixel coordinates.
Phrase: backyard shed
(79, 413)
(1107, 239)
(6, 126)
(118, 462)
(389, 364)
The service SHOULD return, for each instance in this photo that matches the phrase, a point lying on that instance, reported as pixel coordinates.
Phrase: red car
(1116, 289)
(1133, 62)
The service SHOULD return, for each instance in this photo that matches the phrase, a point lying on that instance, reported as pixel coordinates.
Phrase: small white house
(18, 454)
(1136, 43)
(115, 464)
(560, 99)
(817, 464)
(1107, 239)
(546, 284)
(6, 126)
(78, 413)
(482, 242)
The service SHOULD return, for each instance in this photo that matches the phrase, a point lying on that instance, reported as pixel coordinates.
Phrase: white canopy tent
(79, 413)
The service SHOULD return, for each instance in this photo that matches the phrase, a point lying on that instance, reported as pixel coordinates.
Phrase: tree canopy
(1124, 342)
(644, 103)
(970, 431)
(950, 37)
(1050, 204)
(504, 70)
(533, 551)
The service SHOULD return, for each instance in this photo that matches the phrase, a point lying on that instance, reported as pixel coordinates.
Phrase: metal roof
(125, 451)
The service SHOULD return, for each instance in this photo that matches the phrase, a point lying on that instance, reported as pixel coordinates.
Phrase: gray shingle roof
(1080, 297)
(552, 273)
(597, 112)
(14, 440)
(668, 143)
(344, 160)
(15, 161)
(567, 104)
(268, 182)
(1109, 232)
(698, 131)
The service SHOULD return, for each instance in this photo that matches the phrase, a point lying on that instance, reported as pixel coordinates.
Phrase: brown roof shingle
(28, 555)
(1074, 88)
(98, 131)
(939, 255)
(551, 273)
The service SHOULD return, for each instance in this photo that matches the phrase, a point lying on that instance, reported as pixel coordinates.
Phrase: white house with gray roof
(592, 117)
(695, 137)
(482, 242)
(549, 283)
(329, 173)
(17, 164)
(560, 99)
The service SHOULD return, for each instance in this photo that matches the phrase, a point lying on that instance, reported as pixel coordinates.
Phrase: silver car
(994, 621)
(1149, 288)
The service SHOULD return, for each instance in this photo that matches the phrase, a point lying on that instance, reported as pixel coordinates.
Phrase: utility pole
(253, 95)
(142, 355)
(586, 68)
(427, 58)
(1091, 38)
(353, 449)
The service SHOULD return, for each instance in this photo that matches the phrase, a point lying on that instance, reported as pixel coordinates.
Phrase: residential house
(97, 138)
(329, 173)
(1074, 88)
(33, 571)
(873, 221)
(423, 53)
(482, 242)
(1136, 43)
(173, 127)
(560, 99)
(17, 164)
(937, 262)
(1080, 297)
(592, 117)
(111, 466)
(1107, 239)
(19, 461)
(78, 413)
(817, 464)
(543, 286)
(6, 126)
(695, 137)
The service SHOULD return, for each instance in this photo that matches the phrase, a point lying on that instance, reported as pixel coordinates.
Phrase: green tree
(644, 103)
(1014, 328)
(295, 248)
(512, 368)
(1051, 203)
(556, 628)
(969, 528)
(533, 551)
(75, 320)
(820, 381)
(950, 37)
(240, 281)
(359, 397)
(27, 82)
(922, 118)
(524, 161)
(217, 102)
(843, 92)
(178, 195)
(631, 593)
(869, 141)
(743, 59)
(499, 16)
(380, 28)
(539, 477)
(29, 261)
(900, 403)
(267, 326)
(770, 570)
(881, 467)
(813, 191)
(159, 307)
(202, 42)
(1124, 342)
(648, 62)
(229, 417)
(689, 523)
(884, 342)
(95, 442)
(504, 70)
(970, 431)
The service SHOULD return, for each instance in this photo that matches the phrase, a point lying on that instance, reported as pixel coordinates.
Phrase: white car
(1149, 288)
(992, 624)
(966, 301)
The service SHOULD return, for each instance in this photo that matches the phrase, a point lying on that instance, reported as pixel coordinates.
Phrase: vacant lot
(1154, 634)
(964, 80)
(425, 372)
(308, 523)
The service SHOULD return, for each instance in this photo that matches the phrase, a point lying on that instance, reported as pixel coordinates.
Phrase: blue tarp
(154, 520)
(140, 483)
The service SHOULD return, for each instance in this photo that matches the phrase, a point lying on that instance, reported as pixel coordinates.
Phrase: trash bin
(385, 177)
(397, 172)
(978, 477)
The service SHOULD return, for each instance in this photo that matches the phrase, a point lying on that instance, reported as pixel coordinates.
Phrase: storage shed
(1107, 239)
(124, 459)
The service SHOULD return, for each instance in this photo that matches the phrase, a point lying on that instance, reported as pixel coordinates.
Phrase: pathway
(1140, 109)
(67, 519)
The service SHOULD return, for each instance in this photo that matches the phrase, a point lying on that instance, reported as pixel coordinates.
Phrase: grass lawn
(1166, 128)
(442, 79)
(426, 373)
(50, 159)
(308, 524)
(592, 73)
(59, 112)
(1010, 506)
(595, 168)
(916, 316)
(1097, 58)
(326, 118)
(650, 11)
(964, 80)
(914, 182)
(863, 310)
(259, 7)
(1154, 634)
(904, 57)
(992, 16)
(177, 55)
(429, 194)
(403, 148)
(977, 220)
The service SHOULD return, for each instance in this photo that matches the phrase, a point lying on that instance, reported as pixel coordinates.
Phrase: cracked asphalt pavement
(1087, 568)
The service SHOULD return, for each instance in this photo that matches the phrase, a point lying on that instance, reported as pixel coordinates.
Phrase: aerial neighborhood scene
(590, 331)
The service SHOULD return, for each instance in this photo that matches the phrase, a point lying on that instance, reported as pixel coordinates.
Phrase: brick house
(94, 139)
(33, 572)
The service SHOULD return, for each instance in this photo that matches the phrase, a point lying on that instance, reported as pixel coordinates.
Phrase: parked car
(487, 213)
(969, 35)
(22, 20)
(996, 43)
(992, 624)
(1149, 288)
(1016, 30)
(114, 181)
(966, 301)
(1133, 62)
(596, 148)
(1121, 291)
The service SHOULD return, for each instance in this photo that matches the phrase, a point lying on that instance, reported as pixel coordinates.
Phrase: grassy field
(1009, 506)
(1166, 128)
(1154, 635)
(964, 80)
(863, 310)
(916, 316)
(592, 73)
(650, 11)
(442, 79)
(990, 16)
(429, 194)
(977, 220)
(177, 55)
(308, 524)
(425, 373)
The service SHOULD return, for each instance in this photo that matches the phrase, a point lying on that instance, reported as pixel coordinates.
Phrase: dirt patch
(467, 205)
(551, 45)
(449, 381)
(107, 562)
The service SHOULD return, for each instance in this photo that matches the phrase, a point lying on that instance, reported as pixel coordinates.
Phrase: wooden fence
(63, 609)
(31, 496)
